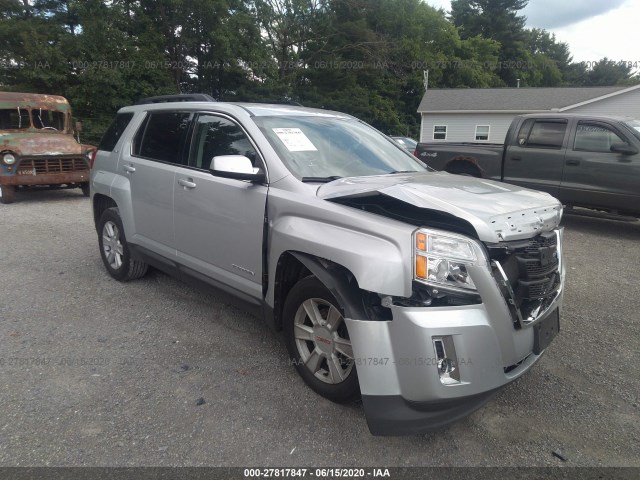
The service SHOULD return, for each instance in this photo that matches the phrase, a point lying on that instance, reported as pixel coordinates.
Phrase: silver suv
(420, 291)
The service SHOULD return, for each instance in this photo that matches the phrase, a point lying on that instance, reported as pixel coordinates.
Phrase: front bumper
(46, 179)
(397, 361)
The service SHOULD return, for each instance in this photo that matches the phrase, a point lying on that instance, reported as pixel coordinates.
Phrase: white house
(484, 114)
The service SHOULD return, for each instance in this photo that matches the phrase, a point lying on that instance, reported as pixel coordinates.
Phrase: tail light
(415, 153)
(93, 158)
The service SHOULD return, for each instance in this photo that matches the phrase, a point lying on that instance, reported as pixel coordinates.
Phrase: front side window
(317, 146)
(215, 136)
(162, 136)
(595, 138)
(482, 132)
(14, 119)
(440, 132)
(48, 119)
(542, 133)
(634, 126)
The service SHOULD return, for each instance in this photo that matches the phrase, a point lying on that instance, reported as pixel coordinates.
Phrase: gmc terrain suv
(420, 291)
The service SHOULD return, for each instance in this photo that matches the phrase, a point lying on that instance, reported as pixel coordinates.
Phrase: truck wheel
(464, 168)
(114, 249)
(86, 190)
(318, 341)
(7, 194)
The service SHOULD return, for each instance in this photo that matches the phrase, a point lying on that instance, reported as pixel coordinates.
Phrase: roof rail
(189, 97)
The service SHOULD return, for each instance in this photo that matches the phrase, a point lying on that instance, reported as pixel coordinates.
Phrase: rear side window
(114, 132)
(162, 136)
(542, 133)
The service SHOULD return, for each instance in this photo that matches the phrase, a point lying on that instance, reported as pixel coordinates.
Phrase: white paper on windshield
(295, 140)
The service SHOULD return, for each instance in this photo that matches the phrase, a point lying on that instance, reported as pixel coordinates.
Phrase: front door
(219, 222)
(596, 176)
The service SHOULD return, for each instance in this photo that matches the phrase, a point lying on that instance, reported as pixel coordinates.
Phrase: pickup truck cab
(422, 292)
(37, 146)
(586, 161)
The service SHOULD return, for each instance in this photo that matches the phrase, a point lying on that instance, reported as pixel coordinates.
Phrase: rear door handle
(517, 159)
(129, 168)
(573, 161)
(187, 183)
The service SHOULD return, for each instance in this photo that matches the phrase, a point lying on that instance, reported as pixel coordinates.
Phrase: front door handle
(187, 183)
(129, 168)
(517, 159)
(573, 161)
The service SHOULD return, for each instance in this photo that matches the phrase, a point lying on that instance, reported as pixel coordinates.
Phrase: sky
(594, 29)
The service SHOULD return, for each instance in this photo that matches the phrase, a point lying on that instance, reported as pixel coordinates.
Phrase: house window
(482, 132)
(440, 132)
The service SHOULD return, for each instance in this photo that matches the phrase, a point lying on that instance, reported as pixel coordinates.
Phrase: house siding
(624, 105)
(461, 127)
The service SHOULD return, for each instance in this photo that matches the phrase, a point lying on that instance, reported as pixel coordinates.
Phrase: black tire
(323, 381)
(86, 190)
(7, 194)
(111, 238)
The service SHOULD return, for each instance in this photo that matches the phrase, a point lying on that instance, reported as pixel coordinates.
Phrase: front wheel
(318, 341)
(86, 190)
(114, 249)
(7, 194)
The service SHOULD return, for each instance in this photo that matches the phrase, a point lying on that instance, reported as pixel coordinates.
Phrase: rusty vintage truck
(37, 145)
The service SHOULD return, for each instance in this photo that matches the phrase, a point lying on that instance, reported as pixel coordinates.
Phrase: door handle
(129, 168)
(573, 161)
(517, 159)
(187, 183)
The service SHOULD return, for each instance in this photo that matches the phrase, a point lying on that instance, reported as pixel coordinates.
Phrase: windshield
(14, 119)
(634, 126)
(329, 147)
(47, 119)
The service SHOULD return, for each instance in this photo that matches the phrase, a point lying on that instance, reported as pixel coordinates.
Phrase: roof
(512, 99)
(33, 100)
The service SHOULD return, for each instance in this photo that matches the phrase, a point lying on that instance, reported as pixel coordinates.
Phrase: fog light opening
(447, 363)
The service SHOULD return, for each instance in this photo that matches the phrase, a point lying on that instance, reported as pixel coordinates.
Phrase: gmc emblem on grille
(547, 255)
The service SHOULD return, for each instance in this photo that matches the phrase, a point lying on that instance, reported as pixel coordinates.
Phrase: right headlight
(9, 158)
(441, 260)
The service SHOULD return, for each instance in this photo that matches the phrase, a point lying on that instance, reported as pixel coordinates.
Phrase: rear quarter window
(115, 131)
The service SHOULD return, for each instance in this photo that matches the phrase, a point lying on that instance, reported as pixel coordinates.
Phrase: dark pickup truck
(584, 161)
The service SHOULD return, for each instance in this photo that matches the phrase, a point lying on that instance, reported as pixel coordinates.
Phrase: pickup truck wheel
(86, 190)
(7, 193)
(318, 341)
(114, 249)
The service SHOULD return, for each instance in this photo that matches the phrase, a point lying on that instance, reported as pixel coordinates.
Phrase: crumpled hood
(497, 211)
(34, 144)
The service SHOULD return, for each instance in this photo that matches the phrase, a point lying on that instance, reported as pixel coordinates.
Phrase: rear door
(219, 222)
(596, 176)
(158, 149)
(535, 156)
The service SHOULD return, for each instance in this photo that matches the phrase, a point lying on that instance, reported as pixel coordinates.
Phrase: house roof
(511, 99)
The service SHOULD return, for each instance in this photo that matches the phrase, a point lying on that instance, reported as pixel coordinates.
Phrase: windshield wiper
(319, 179)
(401, 171)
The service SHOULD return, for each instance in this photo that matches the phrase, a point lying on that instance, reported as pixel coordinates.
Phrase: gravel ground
(96, 372)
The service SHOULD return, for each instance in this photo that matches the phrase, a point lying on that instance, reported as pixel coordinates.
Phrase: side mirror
(623, 148)
(237, 167)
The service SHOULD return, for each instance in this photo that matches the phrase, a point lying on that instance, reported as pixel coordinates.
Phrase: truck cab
(37, 145)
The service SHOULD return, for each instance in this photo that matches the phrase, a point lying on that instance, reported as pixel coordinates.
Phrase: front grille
(44, 166)
(528, 273)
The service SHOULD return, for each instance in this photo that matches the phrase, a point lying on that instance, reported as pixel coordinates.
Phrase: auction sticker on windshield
(295, 140)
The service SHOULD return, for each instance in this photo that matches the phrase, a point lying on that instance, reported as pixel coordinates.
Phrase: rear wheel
(114, 249)
(318, 341)
(7, 193)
